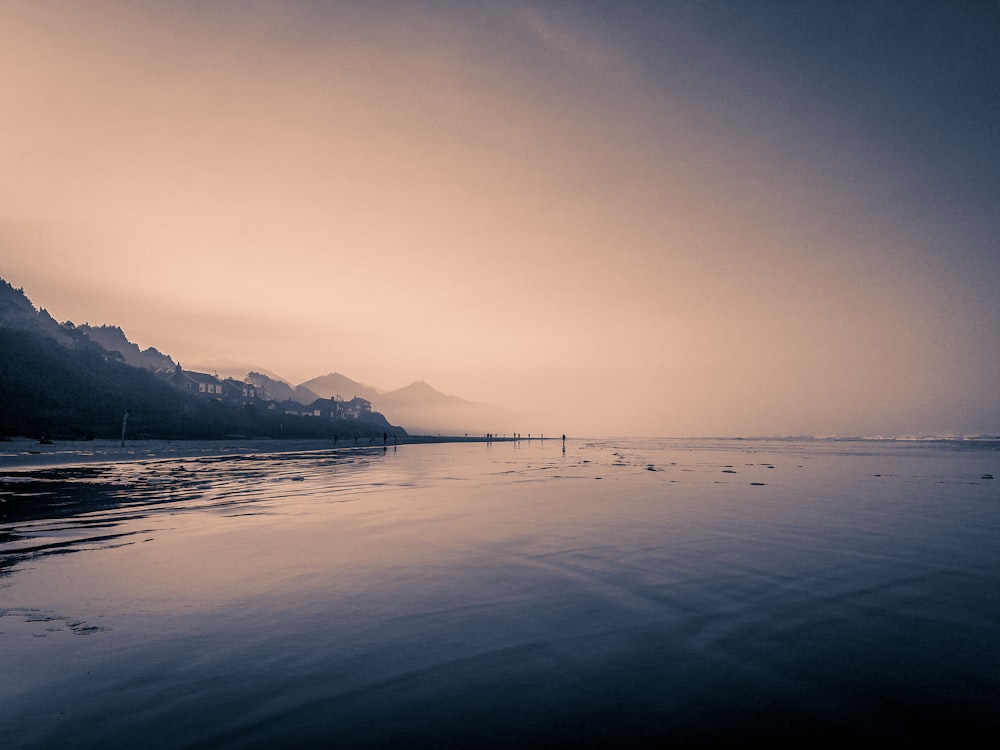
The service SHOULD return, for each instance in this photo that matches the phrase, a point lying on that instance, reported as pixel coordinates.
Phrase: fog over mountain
(335, 385)
(422, 409)
(417, 407)
(280, 390)
(696, 217)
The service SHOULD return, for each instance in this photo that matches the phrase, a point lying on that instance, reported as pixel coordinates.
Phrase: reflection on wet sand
(53, 511)
(623, 593)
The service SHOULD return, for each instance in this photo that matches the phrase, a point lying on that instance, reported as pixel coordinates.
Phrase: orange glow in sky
(632, 221)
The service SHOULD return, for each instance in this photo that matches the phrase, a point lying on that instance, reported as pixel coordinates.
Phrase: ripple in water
(465, 596)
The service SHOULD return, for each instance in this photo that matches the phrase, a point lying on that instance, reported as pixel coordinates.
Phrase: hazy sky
(677, 218)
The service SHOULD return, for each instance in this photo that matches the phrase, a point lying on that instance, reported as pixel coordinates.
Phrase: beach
(23, 453)
(620, 593)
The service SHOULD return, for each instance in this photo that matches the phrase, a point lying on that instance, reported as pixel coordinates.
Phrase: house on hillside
(213, 387)
(198, 383)
(254, 392)
(247, 392)
(356, 408)
(333, 408)
(295, 409)
(243, 393)
(326, 408)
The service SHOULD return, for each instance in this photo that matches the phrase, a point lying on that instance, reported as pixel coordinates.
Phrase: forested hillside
(57, 382)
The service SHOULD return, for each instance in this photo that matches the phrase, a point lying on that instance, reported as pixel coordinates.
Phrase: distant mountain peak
(418, 391)
(335, 384)
(255, 374)
(280, 390)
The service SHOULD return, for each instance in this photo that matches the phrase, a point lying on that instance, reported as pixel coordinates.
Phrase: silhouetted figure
(385, 438)
(564, 443)
(124, 423)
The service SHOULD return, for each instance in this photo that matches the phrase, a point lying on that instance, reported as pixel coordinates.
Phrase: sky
(620, 218)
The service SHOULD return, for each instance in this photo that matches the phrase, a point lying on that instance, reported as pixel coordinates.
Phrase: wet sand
(619, 594)
(24, 453)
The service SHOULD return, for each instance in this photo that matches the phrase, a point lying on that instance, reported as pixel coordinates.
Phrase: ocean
(605, 593)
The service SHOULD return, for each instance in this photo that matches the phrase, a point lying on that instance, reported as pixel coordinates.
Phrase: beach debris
(53, 622)
(757, 484)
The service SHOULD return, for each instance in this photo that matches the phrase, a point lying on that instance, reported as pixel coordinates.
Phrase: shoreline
(20, 454)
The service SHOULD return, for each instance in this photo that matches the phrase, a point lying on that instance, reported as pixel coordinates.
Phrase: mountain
(336, 385)
(59, 381)
(39, 375)
(423, 410)
(418, 407)
(18, 313)
(77, 391)
(16, 310)
(279, 390)
(113, 339)
(420, 394)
